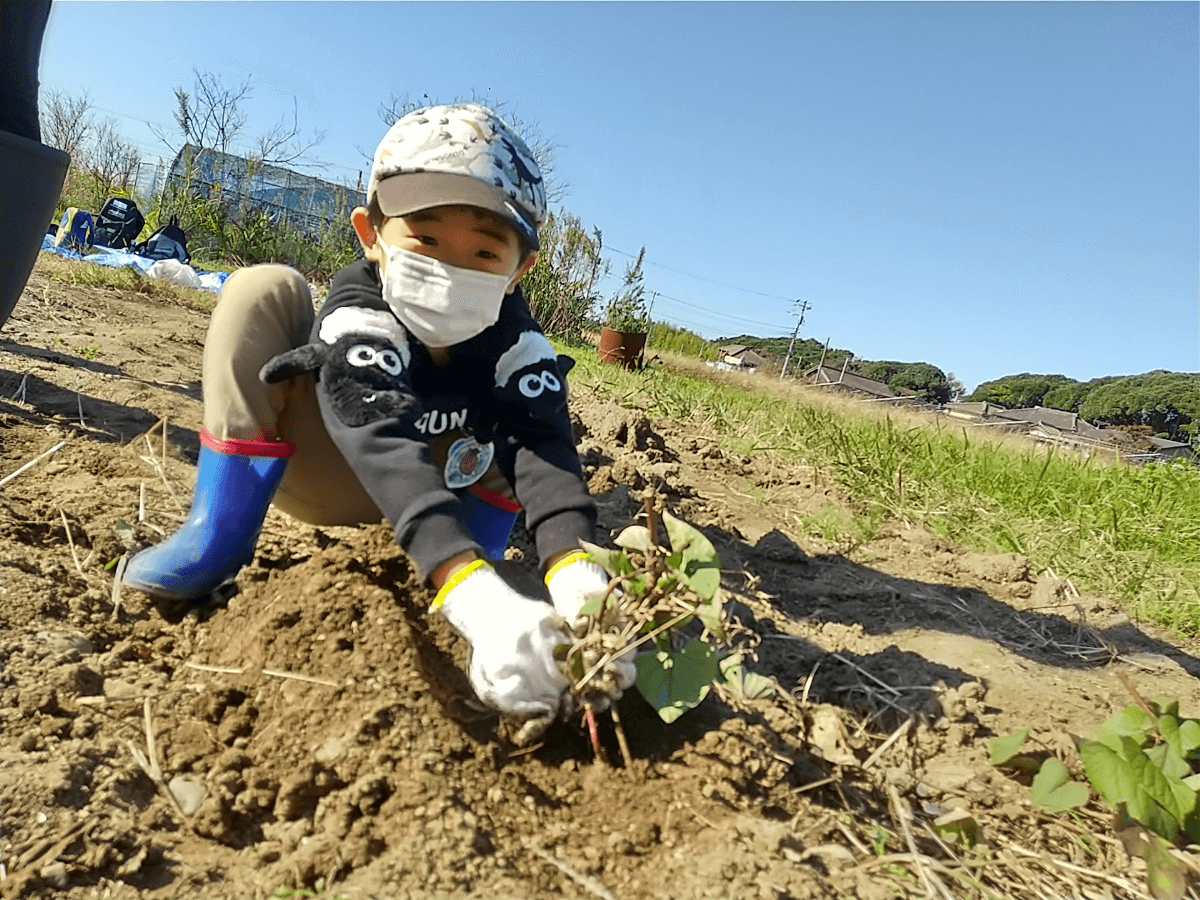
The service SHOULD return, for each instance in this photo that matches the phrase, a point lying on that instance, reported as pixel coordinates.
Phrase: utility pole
(804, 307)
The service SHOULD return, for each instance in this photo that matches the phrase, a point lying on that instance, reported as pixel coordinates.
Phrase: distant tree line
(1168, 403)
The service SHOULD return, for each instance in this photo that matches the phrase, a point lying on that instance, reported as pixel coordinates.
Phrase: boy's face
(462, 236)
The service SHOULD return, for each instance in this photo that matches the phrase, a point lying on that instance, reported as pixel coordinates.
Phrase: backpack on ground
(167, 242)
(76, 230)
(119, 223)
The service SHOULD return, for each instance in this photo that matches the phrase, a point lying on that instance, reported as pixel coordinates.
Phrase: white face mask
(441, 305)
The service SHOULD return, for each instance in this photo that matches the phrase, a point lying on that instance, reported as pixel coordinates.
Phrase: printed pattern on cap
(462, 139)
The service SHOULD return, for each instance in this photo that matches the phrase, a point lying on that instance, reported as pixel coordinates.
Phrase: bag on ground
(119, 223)
(76, 230)
(167, 242)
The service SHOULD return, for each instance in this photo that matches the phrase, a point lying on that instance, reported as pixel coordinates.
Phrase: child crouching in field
(423, 392)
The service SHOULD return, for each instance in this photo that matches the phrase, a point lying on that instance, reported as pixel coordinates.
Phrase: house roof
(745, 354)
(1055, 418)
(1165, 444)
(850, 381)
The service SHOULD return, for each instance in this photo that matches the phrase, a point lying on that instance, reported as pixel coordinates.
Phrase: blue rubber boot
(235, 481)
(490, 519)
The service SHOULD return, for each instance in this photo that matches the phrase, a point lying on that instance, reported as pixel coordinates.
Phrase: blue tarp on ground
(106, 256)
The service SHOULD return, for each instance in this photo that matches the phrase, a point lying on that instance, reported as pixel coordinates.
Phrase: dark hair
(375, 214)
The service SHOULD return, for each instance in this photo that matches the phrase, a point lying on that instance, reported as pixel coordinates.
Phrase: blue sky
(993, 188)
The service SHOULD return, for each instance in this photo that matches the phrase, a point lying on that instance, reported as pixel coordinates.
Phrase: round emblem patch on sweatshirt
(467, 461)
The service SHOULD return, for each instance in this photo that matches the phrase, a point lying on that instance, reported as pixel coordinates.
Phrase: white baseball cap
(461, 153)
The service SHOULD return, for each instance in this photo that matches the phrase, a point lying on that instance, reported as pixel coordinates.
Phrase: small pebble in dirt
(54, 874)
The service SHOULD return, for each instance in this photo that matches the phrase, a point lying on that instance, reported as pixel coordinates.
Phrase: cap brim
(407, 193)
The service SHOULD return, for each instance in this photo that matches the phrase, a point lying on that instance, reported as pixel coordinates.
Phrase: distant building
(1067, 429)
(306, 202)
(1165, 449)
(841, 380)
(739, 357)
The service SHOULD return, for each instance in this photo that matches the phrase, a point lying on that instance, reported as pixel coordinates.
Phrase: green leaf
(1166, 707)
(744, 684)
(1152, 787)
(1053, 788)
(1189, 736)
(673, 683)
(711, 613)
(958, 825)
(701, 566)
(1167, 761)
(635, 537)
(1002, 749)
(1107, 771)
(667, 583)
(1131, 721)
(1131, 777)
(614, 562)
(635, 585)
(1168, 727)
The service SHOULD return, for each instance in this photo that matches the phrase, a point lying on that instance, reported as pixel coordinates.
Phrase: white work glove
(572, 581)
(512, 640)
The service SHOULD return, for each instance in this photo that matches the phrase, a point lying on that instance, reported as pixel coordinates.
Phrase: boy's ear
(521, 270)
(367, 236)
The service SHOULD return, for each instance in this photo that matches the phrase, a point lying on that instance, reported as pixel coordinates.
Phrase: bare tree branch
(111, 159)
(281, 145)
(217, 111)
(67, 121)
(210, 116)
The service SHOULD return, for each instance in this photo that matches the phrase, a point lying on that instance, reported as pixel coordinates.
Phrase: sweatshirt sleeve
(369, 408)
(528, 395)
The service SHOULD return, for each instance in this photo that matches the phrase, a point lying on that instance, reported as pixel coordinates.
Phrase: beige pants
(264, 311)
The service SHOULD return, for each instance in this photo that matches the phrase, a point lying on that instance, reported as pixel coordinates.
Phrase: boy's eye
(487, 254)
(427, 239)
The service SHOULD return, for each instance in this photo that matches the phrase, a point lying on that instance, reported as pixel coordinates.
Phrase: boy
(424, 392)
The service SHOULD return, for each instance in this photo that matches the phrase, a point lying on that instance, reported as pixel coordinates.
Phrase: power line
(732, 287)
(718, 314)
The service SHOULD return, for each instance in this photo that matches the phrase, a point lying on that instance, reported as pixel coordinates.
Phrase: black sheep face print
(362, 363)
(528, 373)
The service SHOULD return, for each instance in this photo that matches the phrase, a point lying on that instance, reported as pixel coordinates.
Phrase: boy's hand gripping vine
(573, 582)
(513, 641)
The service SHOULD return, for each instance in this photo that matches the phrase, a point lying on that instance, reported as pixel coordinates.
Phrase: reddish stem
(589, 716)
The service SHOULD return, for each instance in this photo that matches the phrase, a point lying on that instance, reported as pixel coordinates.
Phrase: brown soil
(381, 777)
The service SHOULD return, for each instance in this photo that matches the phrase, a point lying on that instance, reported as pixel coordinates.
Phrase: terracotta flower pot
(622, 348)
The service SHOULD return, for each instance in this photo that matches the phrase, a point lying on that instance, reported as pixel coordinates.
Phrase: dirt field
(374, 773)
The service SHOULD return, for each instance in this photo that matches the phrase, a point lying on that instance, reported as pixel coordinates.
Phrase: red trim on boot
(242, 447)
(491, 498)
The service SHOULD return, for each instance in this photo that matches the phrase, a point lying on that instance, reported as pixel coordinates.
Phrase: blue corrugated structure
(303, 201)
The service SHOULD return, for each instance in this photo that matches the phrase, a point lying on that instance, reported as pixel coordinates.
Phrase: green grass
(125, 278)
(1131, 533)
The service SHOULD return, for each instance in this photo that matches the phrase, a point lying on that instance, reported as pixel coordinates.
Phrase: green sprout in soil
(1145, 762)
(654, 592)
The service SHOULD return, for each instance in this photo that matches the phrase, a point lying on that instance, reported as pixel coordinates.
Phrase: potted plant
(623, 336)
